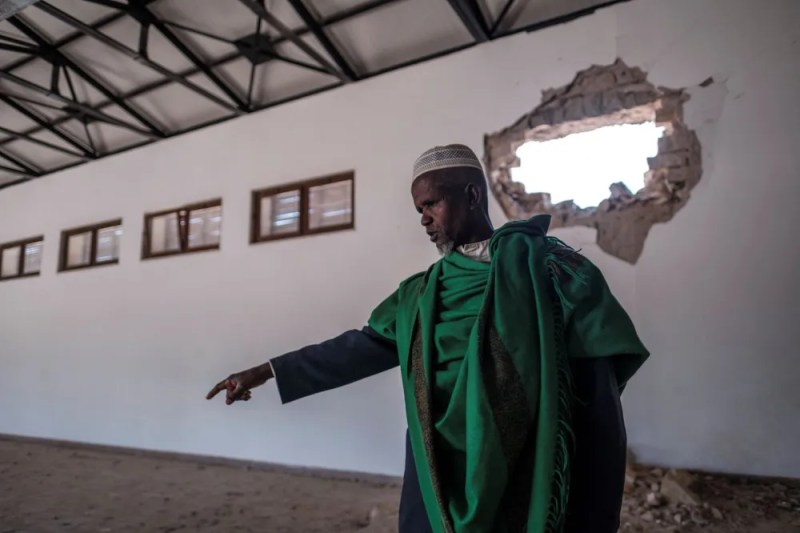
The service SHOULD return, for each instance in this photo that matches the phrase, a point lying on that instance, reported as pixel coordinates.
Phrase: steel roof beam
(140, 11)
(26, 168)
(336, 18)
(109, 3)
(131, 53)
(500, 18)
(287, 33)
(45, 124)
(25, 137)
(18, 49)
(72, 105)
(316, 28)
(470, 14)
(16, 172)
(55, 56)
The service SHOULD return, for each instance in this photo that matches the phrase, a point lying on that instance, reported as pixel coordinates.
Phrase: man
(513, 353)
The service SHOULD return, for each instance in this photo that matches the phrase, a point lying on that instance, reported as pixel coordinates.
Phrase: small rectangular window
(280, 214)
(314, 206)
(21, 258)
(205, 227)
(32, 264)
(90, 246)
(164, 235)
(330, 205)
(11, 262)
(192, 228)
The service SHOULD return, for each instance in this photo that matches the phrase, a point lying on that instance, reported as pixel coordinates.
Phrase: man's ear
(473, 196)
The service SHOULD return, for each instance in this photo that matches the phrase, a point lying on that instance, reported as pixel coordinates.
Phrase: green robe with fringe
(483, 353)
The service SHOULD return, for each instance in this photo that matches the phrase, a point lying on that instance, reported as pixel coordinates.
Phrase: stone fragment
(654, 500)
(620, 191)
(630, 481)
(374, 514)
(675, 487)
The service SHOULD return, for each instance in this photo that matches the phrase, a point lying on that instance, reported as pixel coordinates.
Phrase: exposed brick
(548, 95)
(593, 105)
(573, 109)
(629, 100)
(669, 108)
(538, 119)
(679, 139)
(679, 158)
(612, 101)
(601, 81)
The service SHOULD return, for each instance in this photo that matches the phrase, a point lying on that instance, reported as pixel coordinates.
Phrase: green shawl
(483, 354)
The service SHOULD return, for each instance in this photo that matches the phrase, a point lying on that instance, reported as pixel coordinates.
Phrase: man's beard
(445, 248)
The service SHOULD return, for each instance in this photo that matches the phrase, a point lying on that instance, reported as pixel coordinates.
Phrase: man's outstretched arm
(350, 357)
(345, 359)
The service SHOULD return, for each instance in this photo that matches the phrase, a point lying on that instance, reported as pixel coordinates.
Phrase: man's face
(444, 211)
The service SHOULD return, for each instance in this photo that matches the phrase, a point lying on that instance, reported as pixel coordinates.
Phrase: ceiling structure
(84, 79)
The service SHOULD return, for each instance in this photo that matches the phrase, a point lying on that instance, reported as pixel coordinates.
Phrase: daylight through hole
(581, 167)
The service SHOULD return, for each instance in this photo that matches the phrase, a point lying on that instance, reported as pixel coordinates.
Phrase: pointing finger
(219, 387)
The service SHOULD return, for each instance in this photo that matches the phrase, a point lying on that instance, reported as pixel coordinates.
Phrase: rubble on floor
(58, 487)
(659, 500)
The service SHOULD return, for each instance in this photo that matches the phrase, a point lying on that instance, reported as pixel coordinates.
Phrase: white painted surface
(124, 354)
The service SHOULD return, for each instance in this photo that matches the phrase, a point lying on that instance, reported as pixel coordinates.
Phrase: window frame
(182, 213)
(21, 244)
(93, 262)
(304, 187)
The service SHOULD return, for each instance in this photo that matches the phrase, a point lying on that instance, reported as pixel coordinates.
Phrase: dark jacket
(598, 465)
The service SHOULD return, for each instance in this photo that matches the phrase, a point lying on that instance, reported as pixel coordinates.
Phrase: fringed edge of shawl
(559, 259)
(562, 259)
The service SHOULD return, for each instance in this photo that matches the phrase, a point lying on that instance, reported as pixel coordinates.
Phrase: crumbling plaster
(602, 96)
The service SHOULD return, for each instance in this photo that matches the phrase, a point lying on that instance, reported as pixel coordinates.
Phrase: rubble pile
(665, 498)
(660, 500)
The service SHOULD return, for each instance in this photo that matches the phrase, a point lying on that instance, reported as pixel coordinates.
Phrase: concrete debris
(665, 498)
(630, 483)
(374, 515)
(654, 500)
(675, 487)
(621, 192)
(372, 522)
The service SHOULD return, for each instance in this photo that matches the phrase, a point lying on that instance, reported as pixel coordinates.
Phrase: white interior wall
(125, 354)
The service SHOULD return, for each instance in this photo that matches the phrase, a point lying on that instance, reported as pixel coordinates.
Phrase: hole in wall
(609, 150)
(585, 167)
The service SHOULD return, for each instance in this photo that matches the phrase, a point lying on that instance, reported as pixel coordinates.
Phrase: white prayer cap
(450, 156)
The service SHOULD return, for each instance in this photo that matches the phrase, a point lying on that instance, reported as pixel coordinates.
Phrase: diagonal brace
(46, 124)
(51, 54)
(269, 18)
(146, 17)
(316, 28)
(131, 53)
(470, 14)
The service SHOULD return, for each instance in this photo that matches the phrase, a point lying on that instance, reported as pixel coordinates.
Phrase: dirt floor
(46, 487)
